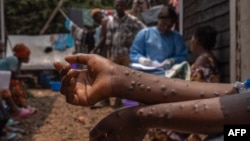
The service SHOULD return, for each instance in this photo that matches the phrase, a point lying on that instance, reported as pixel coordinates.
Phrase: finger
(66, 81)
(61, 69)
(79, 58)
(65, 70)
(71, 96)
(58, 66)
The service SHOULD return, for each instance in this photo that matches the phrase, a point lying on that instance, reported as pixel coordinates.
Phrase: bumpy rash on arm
(196, 116)
(206, 116)
(236, 108)
(152, 89)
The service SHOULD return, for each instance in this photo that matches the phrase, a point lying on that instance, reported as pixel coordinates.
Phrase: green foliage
(29, 16)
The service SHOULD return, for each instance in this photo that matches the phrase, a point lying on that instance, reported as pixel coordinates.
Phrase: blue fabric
(63, 42)
(97, 34)
(9, 63)
(67, 23)
(150, 43)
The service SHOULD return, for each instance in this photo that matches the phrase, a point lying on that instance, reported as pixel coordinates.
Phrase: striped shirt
(121, 32)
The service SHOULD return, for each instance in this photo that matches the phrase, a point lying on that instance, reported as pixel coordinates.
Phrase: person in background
(101, 19)
(120, 35)
(79, 35)
(159, 44)
(153, 3)
(10, 111)
(175, 4)
(205, 67)
(174, 104)
(6, 136)
(138, 6)
(13, 63)
(100, 39)
(2, 49)
(165, 46)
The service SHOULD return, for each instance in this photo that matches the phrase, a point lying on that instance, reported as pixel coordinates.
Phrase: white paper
(5, 79)
(155, 66)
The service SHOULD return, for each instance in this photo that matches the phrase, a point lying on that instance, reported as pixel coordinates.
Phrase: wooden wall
(240, 39)
(216, 14)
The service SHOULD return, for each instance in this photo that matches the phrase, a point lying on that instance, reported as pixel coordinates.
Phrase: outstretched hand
(88, 86)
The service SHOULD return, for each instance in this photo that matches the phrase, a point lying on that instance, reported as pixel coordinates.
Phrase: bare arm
(151, 89)
(104, 79)
(207, 116)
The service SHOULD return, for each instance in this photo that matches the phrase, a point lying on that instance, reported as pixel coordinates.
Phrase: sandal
(23, 113)
(14, 130)
(13, 136)
(12, 122)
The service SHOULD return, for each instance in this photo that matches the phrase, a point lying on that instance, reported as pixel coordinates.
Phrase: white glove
(145, 61)
(168, 63)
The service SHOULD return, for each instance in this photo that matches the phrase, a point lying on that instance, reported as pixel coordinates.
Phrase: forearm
(207, 116)
(152, 89)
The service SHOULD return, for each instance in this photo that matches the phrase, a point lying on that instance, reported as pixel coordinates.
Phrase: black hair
(206, 35)
(167, 11)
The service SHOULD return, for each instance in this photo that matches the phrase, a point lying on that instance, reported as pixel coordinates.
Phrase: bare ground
(56, 120)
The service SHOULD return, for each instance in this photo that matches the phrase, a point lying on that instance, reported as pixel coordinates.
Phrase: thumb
(79, 58)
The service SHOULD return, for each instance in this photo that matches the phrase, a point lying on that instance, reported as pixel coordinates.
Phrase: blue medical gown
(150, 43)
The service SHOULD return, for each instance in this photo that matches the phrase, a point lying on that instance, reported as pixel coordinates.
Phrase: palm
(86, 87)
(92, 87)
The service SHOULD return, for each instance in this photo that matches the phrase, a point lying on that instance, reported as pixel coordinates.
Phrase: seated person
(205, 67)
(159, 44)
(13, 63)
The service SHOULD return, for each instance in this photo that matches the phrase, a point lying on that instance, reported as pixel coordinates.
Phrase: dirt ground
(56, 120)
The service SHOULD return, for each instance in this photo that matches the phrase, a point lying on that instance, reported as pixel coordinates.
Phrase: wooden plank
(233, 43)
(203, 5)
(51, 17)
(188, 3)
(221, 23)
(223, 39)
(245, 42)
(222, 54)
